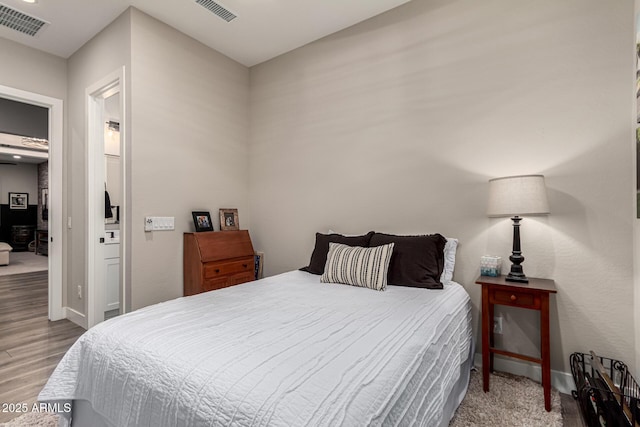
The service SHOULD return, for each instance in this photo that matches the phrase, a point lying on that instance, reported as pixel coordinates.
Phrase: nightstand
(533, 296)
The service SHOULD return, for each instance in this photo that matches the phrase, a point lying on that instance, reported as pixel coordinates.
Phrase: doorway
(54, 235)
(106, 198)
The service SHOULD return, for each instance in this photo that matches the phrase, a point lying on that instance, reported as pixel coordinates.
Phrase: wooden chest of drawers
(217, 259)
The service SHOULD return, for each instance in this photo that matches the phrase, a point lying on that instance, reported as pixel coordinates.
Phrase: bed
(282, 351)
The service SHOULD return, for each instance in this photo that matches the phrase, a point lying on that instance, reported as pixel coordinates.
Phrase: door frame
(95, 95)
(56, 165)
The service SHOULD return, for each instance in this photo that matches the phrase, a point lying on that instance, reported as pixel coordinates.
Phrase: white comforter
(283, 351)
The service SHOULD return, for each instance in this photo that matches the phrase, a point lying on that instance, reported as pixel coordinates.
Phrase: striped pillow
(357, 266)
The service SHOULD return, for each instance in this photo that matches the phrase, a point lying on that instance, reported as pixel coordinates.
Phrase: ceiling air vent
(218, 9)
(19, 21)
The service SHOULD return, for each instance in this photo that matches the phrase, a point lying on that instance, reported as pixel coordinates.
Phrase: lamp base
(521, 278)
(517, 273)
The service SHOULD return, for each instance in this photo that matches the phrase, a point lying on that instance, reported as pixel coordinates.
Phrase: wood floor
(30, 345)
(570, 412)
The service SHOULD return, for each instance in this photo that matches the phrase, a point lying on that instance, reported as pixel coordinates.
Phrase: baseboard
(561, 381)
(76, 317)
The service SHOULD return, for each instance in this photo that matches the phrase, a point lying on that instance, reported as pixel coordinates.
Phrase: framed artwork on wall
(45, 204)
(18, 200)
(202, 221)
(229, 219)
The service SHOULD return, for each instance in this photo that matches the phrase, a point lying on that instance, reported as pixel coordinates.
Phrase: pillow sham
(417, 261)
(319, 254)
(357, 266)
(450, 249)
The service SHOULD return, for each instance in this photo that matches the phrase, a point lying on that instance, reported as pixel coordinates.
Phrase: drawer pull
(217, 270)
(244, 265)
(513, 297)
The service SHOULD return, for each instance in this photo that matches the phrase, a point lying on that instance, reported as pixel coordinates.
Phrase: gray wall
(21, 178)
(394, 124)
(42, 73)
(397, 123)
(18, 118)
(33, 70)
(189, 151)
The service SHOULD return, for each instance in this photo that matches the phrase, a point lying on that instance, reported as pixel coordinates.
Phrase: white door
(104, 283)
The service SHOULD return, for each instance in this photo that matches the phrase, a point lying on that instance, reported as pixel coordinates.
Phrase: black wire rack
(606, 392)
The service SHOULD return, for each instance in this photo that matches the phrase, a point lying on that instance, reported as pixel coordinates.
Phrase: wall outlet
(79, 291)
(497, 325)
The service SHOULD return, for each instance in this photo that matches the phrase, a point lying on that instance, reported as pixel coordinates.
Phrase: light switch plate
(163, 223)
(159, 223)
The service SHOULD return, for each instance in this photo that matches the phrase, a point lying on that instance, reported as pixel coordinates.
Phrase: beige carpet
(33, 419)
(24, 262)
(513, 401)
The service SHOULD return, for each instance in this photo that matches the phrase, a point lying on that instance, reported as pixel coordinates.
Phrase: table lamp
(514, 196)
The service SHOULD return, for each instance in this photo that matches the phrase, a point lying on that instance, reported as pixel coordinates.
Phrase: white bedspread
(283, 351)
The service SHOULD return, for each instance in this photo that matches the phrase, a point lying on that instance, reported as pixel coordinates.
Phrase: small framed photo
(202, 221)
(18, 200)
(229, 219)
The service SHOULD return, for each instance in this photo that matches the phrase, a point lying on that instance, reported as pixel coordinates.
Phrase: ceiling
(12, 145)
(263, 29)
(8, 158)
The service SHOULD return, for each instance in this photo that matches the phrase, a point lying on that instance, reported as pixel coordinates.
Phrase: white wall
(108, 51)
(397, 123)
(21, 178)
(188, 151)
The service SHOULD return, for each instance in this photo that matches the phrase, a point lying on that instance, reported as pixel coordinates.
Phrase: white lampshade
(517, 195)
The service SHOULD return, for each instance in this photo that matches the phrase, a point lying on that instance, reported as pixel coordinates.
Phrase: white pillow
(449, 258)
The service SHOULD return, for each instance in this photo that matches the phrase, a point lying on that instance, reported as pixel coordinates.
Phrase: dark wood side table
(21, 236)
(534, 296)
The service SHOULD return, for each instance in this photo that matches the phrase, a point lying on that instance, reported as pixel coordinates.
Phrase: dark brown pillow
(319, 255)
(417, 261)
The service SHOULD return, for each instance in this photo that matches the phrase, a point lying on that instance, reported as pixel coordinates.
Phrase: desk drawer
(237, 279)
(213, 284)
(514, 298)
(226, 281)
(220, 269)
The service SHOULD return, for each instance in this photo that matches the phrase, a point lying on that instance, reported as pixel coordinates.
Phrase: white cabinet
(112, 276)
